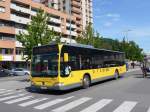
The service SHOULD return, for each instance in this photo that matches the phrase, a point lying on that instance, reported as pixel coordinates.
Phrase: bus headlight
(59, 84)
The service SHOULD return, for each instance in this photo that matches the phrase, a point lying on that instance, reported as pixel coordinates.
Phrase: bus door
(70, 71)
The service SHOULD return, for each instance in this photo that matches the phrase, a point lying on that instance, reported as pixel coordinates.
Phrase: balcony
(7, 44)
(76, 10)
(76, 4)
(78, 22)
(20, 58)
(33, 13)
(57, 29)
(55, 20)
(18, 44)
(7, 29)
(17, 31)
(73, 33)
(78, 16)
(21, 9)
(72, 25)
(18, 19)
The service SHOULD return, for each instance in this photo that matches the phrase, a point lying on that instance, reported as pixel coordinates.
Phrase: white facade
(87, 12)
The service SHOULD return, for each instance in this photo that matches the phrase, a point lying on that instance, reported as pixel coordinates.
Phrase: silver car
(20, 71)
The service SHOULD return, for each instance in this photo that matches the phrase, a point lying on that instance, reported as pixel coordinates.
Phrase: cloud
(108, 24)
(103, 2)
(98, 16)
(113, 15)
(97, 9)
(115, 19)
(110, 17)
(141, 33)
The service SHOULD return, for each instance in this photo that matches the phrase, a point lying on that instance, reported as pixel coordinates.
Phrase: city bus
(67, 66)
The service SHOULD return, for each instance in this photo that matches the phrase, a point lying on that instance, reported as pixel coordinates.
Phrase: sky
(123, 18)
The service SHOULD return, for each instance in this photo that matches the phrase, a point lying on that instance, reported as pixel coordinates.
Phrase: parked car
(19, 72)
(3, 73)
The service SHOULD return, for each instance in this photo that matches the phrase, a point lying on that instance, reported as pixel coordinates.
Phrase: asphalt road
(128, 94)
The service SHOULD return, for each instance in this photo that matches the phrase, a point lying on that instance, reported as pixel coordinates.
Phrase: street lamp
(126, 32)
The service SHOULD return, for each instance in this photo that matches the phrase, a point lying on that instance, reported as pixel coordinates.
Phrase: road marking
(25, 104)
(71, 105)
(18, 100)
(97, 106)
(5, 94)
(51, 103)
(2, 89)
(148, 110)
(5, 91)
(126, 106)
(10, 97)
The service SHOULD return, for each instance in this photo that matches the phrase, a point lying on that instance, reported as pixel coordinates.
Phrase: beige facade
(80, 9)
(74, 8)
(14, 17)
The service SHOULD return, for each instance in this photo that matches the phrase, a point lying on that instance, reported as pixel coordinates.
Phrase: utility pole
(70, 20)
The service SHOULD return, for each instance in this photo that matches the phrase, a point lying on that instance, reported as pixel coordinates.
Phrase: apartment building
(14, 17)
(87, 12)
(80, 9)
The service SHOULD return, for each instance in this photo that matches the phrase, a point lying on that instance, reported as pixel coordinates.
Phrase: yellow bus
(67, 66)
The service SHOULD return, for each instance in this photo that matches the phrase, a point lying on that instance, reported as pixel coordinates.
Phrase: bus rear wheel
(116, 75)
(86, 82)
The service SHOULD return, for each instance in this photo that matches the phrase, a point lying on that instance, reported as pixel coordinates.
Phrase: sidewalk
(132, 70)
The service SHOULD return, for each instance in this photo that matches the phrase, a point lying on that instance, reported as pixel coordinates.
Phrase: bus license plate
(43, 87)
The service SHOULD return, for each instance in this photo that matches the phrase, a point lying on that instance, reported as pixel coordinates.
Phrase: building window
(19, 51)
(63, 20)
(2, 9)
(2, 0)
(6, 51)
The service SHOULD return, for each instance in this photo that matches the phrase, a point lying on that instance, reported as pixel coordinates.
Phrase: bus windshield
(45, 65)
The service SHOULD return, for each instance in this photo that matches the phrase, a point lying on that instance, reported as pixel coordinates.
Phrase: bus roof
(91, 47)
(82, 46)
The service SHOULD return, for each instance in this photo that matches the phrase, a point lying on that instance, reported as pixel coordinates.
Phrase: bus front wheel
(116, 75)
(86, 82)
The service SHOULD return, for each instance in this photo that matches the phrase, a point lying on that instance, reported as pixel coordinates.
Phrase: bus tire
(26, 74)
(86, 81)
(116, 75)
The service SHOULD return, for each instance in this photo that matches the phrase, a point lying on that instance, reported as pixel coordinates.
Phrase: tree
(134, 52)
(87, 36)
(38, 33)
(131, 49)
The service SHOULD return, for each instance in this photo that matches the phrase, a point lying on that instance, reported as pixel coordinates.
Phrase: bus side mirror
(66, 59)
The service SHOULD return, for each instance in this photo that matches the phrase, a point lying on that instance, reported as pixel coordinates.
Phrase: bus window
(45, 65)
(86, 62)
(73, 62)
